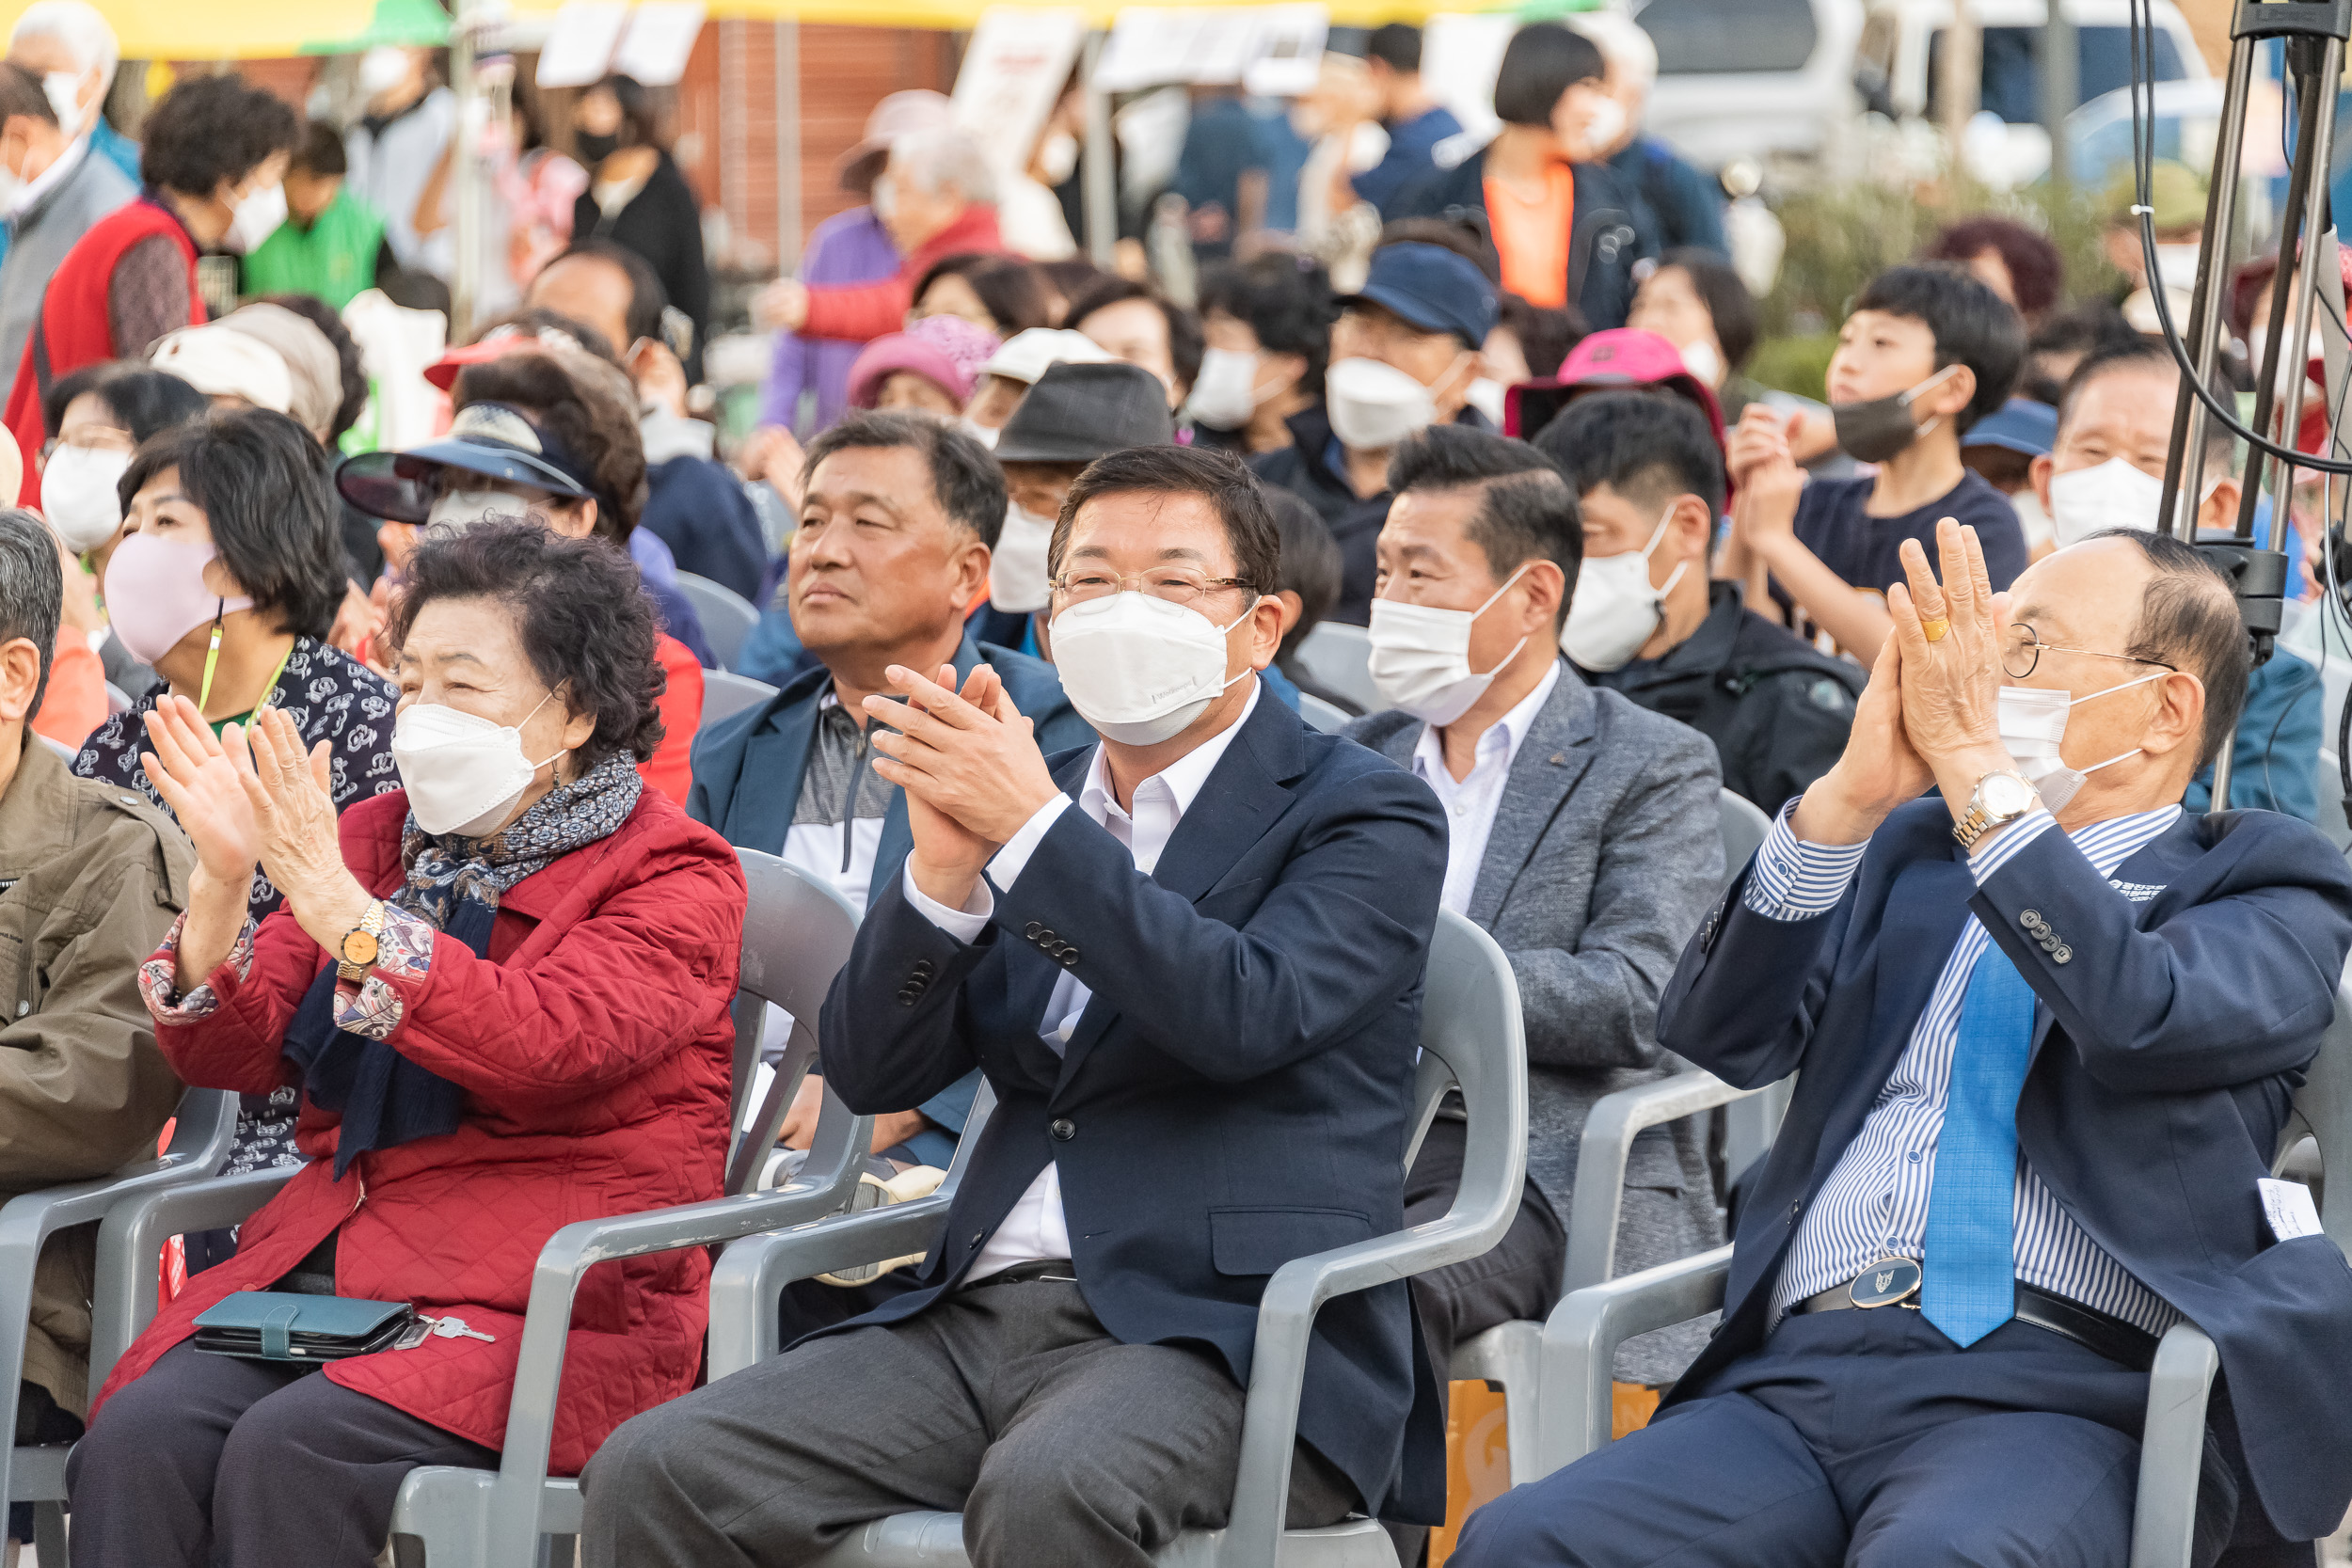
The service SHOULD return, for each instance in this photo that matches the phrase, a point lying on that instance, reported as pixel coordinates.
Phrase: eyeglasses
(2022, 650)
(1172, 584)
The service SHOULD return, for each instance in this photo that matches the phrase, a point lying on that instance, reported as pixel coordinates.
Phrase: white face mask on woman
(1225, 394)
(1614, 609)
(462, 772)
(254, 217)
(2032, 722)
(1016, 568)
(1420, 656)
(78, 495)
(1140, 668)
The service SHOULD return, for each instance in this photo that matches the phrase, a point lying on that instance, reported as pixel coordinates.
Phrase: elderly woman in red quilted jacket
(503, 994)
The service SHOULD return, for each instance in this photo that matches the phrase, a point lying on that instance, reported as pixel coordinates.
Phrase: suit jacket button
(1068, 956)
(1031, 930)
(1064, 1129)
(978, 1236)
(2029, 919)
(2061, 953)
(923, 968)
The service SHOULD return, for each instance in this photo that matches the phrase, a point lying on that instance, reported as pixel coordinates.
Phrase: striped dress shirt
(1875, 1203)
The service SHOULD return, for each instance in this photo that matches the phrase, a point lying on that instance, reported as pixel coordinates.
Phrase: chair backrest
(1328, 716)
(727, 617)
(1743, 827)
(797, 934)
(2323, 1112)
(1473, 1038)
(64, 752)
(726, 694)
(1340, 657)
(117, 700)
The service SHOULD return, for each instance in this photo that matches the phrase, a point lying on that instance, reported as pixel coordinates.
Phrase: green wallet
(280, 1325)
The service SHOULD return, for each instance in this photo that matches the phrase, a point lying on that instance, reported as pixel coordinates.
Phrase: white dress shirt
(1470, 802)
(1875, 1203)
(1035, 1228)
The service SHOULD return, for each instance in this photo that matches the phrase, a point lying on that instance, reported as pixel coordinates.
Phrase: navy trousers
(1863, 1439)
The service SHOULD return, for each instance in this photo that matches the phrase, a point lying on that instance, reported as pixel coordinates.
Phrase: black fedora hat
(1077, 413)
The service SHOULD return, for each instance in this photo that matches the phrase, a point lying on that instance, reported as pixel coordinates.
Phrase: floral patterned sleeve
(159, 984)
(403, 951)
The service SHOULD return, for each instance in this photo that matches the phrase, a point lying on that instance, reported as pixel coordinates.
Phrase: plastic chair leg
(49, 1534)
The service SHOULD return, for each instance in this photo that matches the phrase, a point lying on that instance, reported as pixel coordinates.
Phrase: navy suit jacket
(2167, 1050)
(747, 782)
(1236, 1094)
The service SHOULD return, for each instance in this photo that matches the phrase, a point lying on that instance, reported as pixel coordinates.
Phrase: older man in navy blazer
(898, 519)
(2047, 1028)
(1189, 960)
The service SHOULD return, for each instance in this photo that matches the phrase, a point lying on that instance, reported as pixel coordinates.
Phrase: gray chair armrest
(752, 1273)
(1601, 1156)
(1278, 1366)
(2172, 1448)
(1580, 1343)
(130, 1248)
(571, 1252)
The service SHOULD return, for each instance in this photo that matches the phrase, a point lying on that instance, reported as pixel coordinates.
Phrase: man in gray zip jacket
(61, 190)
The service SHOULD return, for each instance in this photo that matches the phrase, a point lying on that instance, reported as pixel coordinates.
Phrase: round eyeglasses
(2022, 650)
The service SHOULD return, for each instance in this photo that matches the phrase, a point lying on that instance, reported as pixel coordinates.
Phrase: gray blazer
(1606, 855)
(40, 236)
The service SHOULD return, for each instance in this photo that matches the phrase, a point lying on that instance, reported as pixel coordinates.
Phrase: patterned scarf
(446, 869)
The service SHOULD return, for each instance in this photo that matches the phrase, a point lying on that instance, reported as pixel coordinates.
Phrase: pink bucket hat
(948, 350)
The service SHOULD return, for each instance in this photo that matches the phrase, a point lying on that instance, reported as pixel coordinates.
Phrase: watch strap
(1980, 819)
(372, 925)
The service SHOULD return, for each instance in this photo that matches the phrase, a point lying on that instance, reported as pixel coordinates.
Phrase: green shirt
(334, 258)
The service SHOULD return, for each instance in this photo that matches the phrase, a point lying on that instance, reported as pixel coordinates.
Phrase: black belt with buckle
(2112, 1337)
(1058, 1269)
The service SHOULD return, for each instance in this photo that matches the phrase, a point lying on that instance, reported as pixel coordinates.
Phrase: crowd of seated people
(417, 824)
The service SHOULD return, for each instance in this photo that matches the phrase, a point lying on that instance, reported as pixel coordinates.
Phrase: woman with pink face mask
(225, 580)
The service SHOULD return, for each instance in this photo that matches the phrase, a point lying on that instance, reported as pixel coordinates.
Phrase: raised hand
(203, 785)
(945, 743)
(1950, 636)
(294, 811)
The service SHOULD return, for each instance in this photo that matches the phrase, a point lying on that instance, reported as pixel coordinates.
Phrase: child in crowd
(331, 242)
(1927, 352)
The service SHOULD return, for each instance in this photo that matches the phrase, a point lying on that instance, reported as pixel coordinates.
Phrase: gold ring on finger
(1937, 629)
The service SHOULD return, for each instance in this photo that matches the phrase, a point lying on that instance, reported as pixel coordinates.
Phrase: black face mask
(1879, 429)
(596, 146)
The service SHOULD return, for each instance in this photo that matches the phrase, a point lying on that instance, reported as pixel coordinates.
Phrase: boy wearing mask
(1927, 352)
(1404, 354)
(1646, 622)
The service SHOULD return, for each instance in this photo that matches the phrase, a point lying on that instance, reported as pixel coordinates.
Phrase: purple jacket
(848, 247)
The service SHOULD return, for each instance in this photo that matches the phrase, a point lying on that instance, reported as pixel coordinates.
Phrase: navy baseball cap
(492, 439)
(1432, 288)
(2020, 425)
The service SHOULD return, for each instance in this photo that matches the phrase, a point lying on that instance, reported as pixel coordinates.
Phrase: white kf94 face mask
(1139, 669)
(1420, 656)
(462, 772)
(1616, 608)
(2032, 722)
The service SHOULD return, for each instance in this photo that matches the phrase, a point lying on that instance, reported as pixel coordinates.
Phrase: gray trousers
(1062, 1446)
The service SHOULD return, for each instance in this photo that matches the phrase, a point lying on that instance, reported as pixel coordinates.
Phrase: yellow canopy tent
(961, 15)
(220, 30)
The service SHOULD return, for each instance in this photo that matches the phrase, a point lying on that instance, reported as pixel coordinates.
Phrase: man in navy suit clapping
(2046, 1028)
(1188, 961)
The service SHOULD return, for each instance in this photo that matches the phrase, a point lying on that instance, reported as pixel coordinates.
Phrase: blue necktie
(1970, 1284)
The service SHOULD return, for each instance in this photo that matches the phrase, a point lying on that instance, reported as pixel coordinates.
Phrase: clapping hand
(293, 807)
(199, 779)
(1949, 634)
(971, 768)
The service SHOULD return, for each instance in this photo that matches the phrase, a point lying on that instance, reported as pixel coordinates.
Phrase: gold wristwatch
(358, 948)
(2002, 796)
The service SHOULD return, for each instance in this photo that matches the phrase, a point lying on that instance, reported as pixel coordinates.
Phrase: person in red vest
(214, 158)
(937, 197)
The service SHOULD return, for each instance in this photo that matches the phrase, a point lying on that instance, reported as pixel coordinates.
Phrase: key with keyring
(457, 1328)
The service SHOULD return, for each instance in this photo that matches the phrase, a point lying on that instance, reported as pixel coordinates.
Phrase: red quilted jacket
(595, 1050)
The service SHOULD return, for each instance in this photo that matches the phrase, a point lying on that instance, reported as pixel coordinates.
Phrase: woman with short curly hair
(214, 162)
(503, 994)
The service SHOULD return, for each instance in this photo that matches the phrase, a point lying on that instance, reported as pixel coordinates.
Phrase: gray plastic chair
(727, 616)
(1508, 1356)
(205, 1126)
(726, 694)
(1328, 716)
(1470, 1036)
(797, 935)
(1339, 656)
(1582, 1338)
